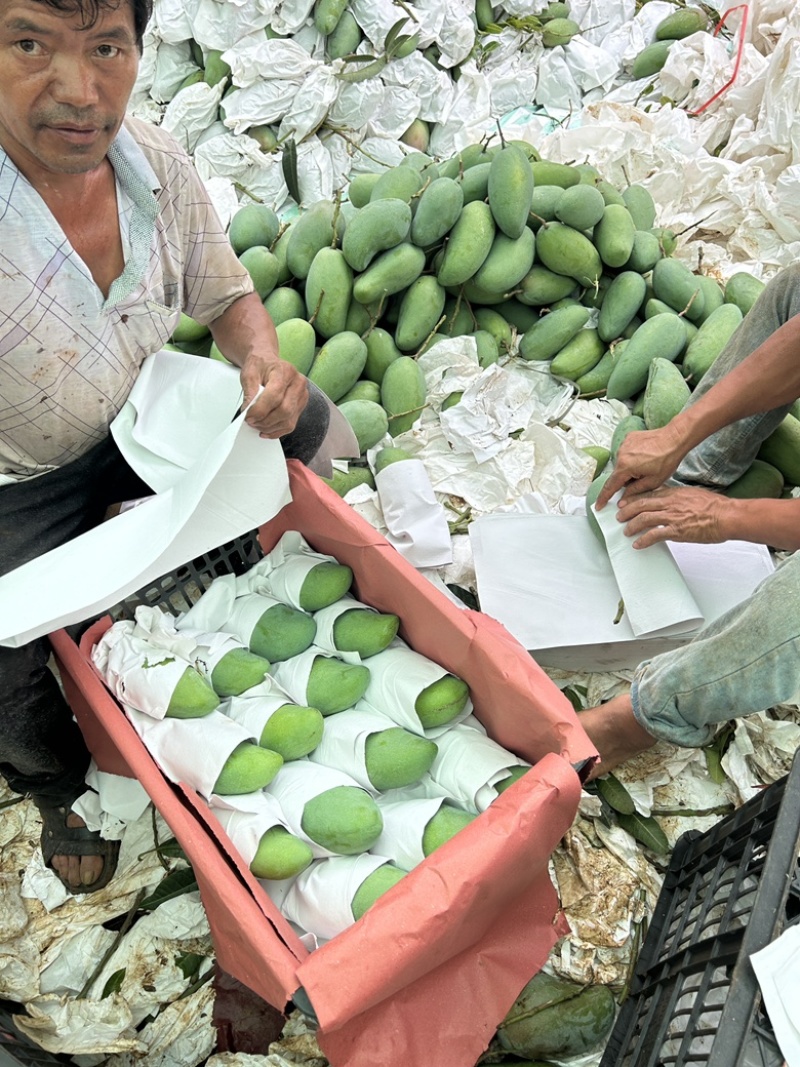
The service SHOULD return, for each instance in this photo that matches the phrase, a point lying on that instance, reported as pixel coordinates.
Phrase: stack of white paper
(577, 605)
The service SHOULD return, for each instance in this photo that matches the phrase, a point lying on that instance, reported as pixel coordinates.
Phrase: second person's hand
(673, 514)
(645, 460)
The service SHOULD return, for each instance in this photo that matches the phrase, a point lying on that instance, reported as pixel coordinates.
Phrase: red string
(740, 49)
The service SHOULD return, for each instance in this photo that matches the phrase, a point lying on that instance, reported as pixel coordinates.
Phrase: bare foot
(78, 870)
(615, 733)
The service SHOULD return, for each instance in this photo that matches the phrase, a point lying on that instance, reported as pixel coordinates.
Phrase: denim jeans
(42, 750)
(748, 659)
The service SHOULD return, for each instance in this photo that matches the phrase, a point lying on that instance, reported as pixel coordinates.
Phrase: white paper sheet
(178, 405)
(549, 582)
(777, 968)
(237, 482)
(657, 600)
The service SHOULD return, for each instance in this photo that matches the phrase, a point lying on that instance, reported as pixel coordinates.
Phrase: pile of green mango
(535, 259)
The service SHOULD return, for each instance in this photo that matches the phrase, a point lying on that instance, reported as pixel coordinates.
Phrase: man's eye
(108, 51)
(30, 48)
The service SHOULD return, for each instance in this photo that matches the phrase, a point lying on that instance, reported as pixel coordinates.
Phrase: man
(106, 234)
(747, 660)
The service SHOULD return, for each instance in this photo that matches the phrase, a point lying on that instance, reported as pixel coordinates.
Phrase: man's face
(63, 87)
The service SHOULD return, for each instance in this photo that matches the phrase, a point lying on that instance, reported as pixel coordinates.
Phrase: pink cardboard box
(432, 968)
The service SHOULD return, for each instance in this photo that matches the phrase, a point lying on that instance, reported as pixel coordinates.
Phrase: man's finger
(635, 504)
(652, 537)
(615, 481)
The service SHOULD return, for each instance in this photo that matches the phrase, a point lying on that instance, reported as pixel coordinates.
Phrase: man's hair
(90, 10)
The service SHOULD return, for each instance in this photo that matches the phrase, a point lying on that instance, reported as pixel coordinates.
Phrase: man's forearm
(245, 329)
(775, 523)
(768, 378)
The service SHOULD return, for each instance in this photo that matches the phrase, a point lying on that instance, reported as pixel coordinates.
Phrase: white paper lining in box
(320, 899)
(255, 707)
(246, 612)
(138, 674)
(344, 741)
(293, 673)
(210, 650)
(397, 677)
(404, 823)
(282, 572)
(325, 619)
(469, 764)
(298, 782)
(246, 825)
(192, 751)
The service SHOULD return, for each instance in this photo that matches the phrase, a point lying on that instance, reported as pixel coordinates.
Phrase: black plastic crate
(695, 999)
(176, 591)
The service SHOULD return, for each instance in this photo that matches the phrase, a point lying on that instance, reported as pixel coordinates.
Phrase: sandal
(58, 839)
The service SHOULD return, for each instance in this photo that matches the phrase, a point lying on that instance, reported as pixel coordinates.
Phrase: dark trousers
(42, 750)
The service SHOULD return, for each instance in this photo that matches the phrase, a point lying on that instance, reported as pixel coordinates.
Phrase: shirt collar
(124, 148)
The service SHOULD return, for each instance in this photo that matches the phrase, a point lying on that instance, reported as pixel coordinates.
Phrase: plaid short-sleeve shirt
(68, 355)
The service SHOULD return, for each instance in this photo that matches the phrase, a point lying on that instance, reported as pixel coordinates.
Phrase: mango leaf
(394, 33)
(189, 963)
(646, 830)
(365, 72)
(362, 57)
(289, 167)
(400, 42)
(615, 794)
(171, 849)
(176, 884)
(114, 984)
(576, 695)
(714, 766)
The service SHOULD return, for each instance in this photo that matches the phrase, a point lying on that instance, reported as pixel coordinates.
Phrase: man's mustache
(69, 117)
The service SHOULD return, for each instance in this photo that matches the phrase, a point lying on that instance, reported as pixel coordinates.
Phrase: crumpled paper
(79, 1027)
(241, 160)
(192, 111)
(181, 1033)
(172, 63)
(761, 750)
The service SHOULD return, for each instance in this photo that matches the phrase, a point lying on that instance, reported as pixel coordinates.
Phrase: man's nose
(74, 82)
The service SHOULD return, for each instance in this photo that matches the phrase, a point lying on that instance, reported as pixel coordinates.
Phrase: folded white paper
(397, 677)
(469, 765)
(344, 741)
(656, 598)
(175, 391)
(237, 482)
(415, 520)
(193, 751)
(547, 579)
(298, 782)
(404, 823)
(246, 825)
(320, 899)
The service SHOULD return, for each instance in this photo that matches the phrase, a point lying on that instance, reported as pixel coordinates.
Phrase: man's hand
(645, 460)
(673, 514)
(282, 400)
(245, 334)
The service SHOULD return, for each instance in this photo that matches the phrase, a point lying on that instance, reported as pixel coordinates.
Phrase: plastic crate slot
(694, 997)
(176, 592)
